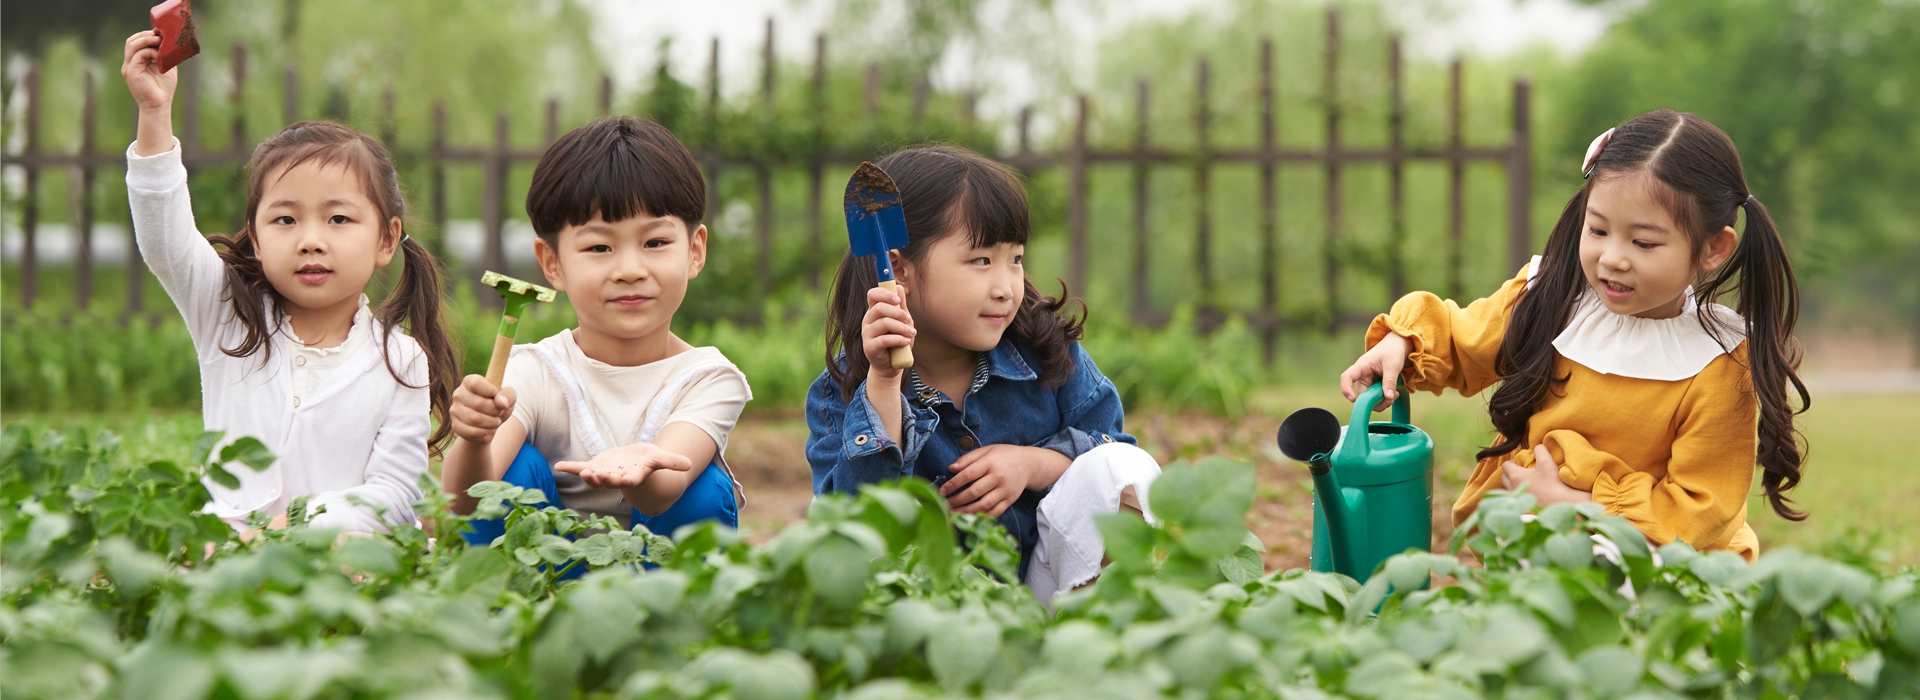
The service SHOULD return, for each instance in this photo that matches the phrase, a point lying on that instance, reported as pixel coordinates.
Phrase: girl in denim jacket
(1002, 409)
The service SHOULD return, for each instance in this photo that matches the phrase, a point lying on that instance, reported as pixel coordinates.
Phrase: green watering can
(1372, 491)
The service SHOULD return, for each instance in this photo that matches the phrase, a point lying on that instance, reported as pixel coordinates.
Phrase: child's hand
(1543, 480)
(625, 466)
(152, 90)
(152, 93)
(990, 479)
(1385, 360)
(887, 325)
(478, 409)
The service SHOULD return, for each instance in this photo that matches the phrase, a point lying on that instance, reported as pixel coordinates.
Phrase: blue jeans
(709, 497)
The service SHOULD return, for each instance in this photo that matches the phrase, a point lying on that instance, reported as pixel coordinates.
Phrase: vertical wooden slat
(389, 123)
(437, 182)
(1269, 210)
(238, 142)
(816, 175)
(763, 174)
(1396, 185)
(1202, 188)
(1026, 121)
(1141, 286)
(970, 107)
(872, 91)
(606, 95)
(921, 88)
(30, 198)
(189, 99)
(1330, 90)
(1520, 179)
(81, 224)
(1456, 188)
(289, 94)
(712, 145)
(552, 131)
(493, 203)
(1077, 199)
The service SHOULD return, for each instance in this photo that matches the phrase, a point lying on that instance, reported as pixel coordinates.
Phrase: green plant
(887, 595)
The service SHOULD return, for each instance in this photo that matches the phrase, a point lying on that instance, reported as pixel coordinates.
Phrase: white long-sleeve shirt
(342, 427)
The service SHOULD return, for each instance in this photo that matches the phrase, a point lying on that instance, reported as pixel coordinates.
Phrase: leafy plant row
(115, 587)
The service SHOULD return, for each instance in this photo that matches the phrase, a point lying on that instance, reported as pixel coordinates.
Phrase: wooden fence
(1076, 157)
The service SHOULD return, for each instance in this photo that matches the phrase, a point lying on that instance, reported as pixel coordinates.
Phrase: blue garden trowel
(876, 224)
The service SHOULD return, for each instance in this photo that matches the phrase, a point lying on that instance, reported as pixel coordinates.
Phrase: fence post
(238, 99)
(1269, 211)
(872, 92)
(1331, 92)
(1396, 184)
(1077, 199)
(606, 96)
(389, 123)
(552, 131)
(189, 90)
(763, 174)
(921, 88)
(1520, 180)
(81, 225)
(290, 95)
(1026, 120)
(30, 206)
(1202, 188)
(712, 147)
(1142, 297)
(493, 206)
(1456, 196)
(437, 182)
(816, 185)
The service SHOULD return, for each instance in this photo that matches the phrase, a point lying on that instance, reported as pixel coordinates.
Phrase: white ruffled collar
(362, 326)
(1662, 349)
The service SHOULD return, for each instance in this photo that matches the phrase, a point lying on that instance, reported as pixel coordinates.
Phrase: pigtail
(253, 300)
(416, 302)
(1770, 303)
(1526, 358)
(1047, 325)
(846, 307)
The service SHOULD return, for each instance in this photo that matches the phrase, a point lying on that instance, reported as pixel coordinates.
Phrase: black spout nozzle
(1309, 435)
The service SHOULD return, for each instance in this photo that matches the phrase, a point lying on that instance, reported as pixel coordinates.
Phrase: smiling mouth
(994, 318)
(1615, 289)
(313, 274)
(630, 300)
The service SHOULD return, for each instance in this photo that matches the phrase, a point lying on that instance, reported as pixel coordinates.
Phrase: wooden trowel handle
(902, 356)
(497, 365)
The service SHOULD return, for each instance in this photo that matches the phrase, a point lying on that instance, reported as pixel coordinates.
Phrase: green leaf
(157, 671)
(1215, 492)
(477, 565)
(1079, 648)
(909, 623)
(369, 554)
(202, 448)
(249, 451)
(837, 571)
(1610, 670)
(1570, 550)
(1242, 567)
(777, 675)
(962, 651)
(553, 549)
(221, 476)
(1808, 587)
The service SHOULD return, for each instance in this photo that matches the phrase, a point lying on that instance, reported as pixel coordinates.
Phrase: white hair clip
(1593, 153)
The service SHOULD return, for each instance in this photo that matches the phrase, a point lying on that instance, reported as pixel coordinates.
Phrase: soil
(868, 179)
(767, 455)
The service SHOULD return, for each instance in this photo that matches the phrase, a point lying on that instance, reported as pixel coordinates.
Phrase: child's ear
(390, 243)
(549, 263)
(697, 247)
(1718, 248)
(901, 270)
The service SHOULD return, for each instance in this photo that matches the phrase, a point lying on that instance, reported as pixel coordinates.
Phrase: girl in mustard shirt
(1621, 379)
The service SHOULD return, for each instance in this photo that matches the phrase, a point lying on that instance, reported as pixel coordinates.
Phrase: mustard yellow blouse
(1674, 457)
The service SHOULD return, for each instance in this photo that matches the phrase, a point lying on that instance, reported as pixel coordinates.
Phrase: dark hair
(415, 300)
(1702, 185)
(614, 168)
(946, 190)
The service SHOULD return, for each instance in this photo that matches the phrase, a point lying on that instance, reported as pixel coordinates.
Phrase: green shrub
(888, 595)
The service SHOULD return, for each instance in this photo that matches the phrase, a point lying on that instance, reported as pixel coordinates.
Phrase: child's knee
(1119, 459)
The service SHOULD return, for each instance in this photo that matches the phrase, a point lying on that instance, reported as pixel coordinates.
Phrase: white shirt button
(299, 360)
(296, 402)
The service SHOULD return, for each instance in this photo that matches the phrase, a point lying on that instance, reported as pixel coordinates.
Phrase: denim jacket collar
(1004, 361)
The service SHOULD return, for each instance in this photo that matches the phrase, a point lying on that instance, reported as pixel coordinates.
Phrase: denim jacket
(848, 446)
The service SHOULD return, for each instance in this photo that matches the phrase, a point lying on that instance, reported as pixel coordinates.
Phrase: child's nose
(629, 267)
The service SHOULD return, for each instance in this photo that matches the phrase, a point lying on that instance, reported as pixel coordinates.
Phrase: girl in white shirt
(289, 351)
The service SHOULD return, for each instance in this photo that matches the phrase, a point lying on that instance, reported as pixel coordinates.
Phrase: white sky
(632, 29)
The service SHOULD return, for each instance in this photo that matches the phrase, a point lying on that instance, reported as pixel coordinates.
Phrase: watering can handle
(1363, 414)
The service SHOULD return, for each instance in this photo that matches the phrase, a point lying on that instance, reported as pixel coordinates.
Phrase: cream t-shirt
(618, 399)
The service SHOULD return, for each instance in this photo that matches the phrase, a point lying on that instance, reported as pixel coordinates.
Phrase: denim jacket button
(860, 440)
(966, 442)
(1106, 438)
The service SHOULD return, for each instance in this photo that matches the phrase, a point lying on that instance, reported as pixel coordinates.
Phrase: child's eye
(1596, 232)
(659, 242)
(338, 219)
(602, 248)
(1645, 245)
(1019, 260)
(983, 260)
(282, 221)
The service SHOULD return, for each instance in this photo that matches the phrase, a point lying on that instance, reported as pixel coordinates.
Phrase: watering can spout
(1310, 435)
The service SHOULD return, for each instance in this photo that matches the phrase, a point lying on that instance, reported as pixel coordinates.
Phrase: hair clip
(1593, 153)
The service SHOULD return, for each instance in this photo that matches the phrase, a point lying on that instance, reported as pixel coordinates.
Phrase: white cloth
(358, 434)
(575, 407)
(1070, 548)
(1662, 349)
(311, 365)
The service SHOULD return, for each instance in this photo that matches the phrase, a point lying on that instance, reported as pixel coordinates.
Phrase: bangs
(615, 169)
(992, 208)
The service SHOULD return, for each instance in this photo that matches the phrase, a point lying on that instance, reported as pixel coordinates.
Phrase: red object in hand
(173, 22)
